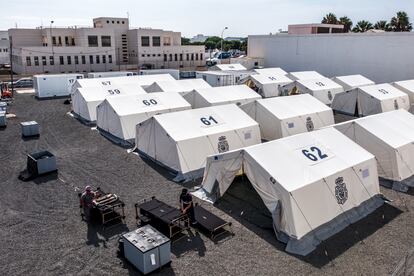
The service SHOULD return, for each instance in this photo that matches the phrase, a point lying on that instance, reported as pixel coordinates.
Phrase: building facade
(4, 48)
(107, 46)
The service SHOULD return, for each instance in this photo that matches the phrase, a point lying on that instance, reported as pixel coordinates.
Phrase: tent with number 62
(314, 184)
(181, 141)
(117, 117)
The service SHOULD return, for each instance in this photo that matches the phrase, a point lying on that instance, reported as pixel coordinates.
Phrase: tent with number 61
(181, 141)
(117, 117)
(314, 184)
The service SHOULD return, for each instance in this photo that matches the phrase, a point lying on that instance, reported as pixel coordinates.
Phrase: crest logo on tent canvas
(309, 124)
(330, 95)
(272, 180)
(396, 104)
(341, 192)
(222, 145)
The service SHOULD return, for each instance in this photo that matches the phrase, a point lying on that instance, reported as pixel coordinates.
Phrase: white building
(340, 54)
(4, 48)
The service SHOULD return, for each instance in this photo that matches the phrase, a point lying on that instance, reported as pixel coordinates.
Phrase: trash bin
(30, 129)
(40, 163)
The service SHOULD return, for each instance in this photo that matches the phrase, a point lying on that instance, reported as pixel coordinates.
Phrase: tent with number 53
(181, 141)
(314, 184)
(117, 117)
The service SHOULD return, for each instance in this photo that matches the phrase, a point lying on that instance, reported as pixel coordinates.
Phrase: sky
(192, 17)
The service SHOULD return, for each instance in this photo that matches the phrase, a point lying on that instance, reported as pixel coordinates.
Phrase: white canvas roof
(268, 85)
(229, 67)
(119, 116)
(285, 116)
(390, 137)
(182, 140)
(305, 75)
(275, 71)
(238, 94)
(323, 89)
(177, 86)
(407, 87)
(109, 74)
(85, 100)
(307, 181)
(352, 81)
(371, 99)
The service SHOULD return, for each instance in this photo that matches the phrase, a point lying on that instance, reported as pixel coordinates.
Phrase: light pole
(225, 28)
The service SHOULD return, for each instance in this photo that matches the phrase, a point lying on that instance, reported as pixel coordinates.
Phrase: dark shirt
(186, 200)
(87, 199)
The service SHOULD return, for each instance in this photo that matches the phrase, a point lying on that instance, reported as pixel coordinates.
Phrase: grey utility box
(147, 249)
(3, 106)
(30, 129)
(41, 162)
(3, 121)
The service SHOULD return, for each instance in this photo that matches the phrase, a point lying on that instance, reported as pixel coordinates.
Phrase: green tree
(330, 18)
(382, 25)
(185, 41)
(347, 22)
(362, 26)
(401, 22)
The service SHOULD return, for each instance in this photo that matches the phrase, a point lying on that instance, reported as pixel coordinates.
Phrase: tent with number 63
(117, 117)
(181, 141)
(314, 184)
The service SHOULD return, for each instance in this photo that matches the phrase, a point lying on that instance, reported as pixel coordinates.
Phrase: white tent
(369, 100)
(217, 78)
(237, 94)
(285, 116)
(323, 89)
(182, 140)
(142, 80)
(59, 85)
(305, 75)
(390, 137)
(228, 67)
(314, 184)
(267, 85)
(407, 87)
(352, 81)
(275, 71)
(118, 116)
(177, 86)
(85, 100)
(110, 74)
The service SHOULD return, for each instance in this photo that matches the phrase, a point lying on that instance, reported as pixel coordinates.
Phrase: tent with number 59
(181, 141)
(314, 184)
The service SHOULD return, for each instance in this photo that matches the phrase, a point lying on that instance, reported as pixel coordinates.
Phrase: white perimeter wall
(383, 57)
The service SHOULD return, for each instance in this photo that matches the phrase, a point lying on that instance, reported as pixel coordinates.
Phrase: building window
(98, 59)
(123, 22)
(109, 58)
(83, 58)
(44, 60)
(167, 41)
(170, 57)
(93, 41)
(106, 41)
(103, 59)
(196, 56)
(76, 60)
(188, 56)
(142, 55)
(156, 41)
(159, 55)
(66, 40)
(148, 55)
(165, 57)
(69, 58)
(181, 57)
(117, 22)
(113, 22)
(201, 56)
(192, 56)
(154, 55)
(90, 59)
(61, 61)
(36, 61)
(51, 60)
(176, 57)
(107, 21)
(145, 41)
(72, 41)
(60, 41)
(54, 40)
(28, 61)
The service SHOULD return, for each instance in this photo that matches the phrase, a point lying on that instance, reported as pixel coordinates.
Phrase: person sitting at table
(187, 205)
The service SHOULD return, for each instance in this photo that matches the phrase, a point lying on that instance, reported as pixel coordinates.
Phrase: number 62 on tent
(314, 154)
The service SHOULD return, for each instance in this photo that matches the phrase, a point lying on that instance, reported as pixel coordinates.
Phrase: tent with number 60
(314, 184)
(181, 141)
(117, 117)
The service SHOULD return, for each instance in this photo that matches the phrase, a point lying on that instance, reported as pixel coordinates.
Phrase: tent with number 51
(117, 117)
(181, 141)
(314, 184)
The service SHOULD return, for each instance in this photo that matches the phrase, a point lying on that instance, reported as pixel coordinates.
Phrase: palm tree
(362, 26)
(344, 20)
(382, 25)
(330, 18)
(401, 22)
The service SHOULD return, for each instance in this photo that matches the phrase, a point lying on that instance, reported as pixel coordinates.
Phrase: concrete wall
(382, 57)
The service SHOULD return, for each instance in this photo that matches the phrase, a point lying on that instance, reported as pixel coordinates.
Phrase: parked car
(217, 58)
(23, 83)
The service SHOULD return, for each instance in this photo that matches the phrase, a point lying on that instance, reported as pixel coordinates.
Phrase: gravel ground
(41, 232)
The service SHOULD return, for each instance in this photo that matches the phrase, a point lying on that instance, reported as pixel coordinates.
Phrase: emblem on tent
(309, 124)
(396, 104)
(341, 192)
(222, 145)
(272, 180)
(330, 95)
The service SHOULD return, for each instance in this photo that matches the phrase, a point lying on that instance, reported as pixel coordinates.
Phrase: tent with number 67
(181, 141)
(314, 184)
(117, 117)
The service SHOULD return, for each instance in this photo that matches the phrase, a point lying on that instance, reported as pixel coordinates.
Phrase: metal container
(3, 121)
(30, 129)
(41, 162)
(3, 106)
(147, 249)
